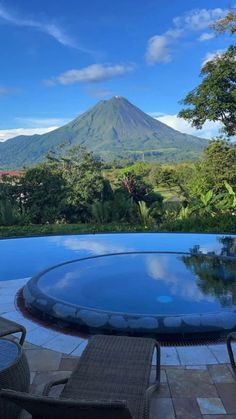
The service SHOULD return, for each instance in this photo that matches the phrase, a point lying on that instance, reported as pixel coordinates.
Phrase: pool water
(185, 284)
(25, 257)
(144, 283)
(132, 283)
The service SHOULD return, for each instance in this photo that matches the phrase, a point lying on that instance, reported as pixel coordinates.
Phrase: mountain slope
(113, 129)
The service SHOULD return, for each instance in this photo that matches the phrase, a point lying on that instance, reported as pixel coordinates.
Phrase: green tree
(215, 98)
(144, 214)
(11, 193)
(154, 175)
(218, 165)
(136, 188)
(210, 188)
(101, 211)
(85, 183)
(42, 194)
(226, 24)
(168, 177)
(123, 207)
(8, 213)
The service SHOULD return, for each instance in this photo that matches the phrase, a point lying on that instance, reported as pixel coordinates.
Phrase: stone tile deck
(190, 392)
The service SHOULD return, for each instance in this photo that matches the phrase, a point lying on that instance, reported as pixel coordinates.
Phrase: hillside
(112, 129)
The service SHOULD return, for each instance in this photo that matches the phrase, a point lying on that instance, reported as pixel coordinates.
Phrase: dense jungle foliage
(78, 189)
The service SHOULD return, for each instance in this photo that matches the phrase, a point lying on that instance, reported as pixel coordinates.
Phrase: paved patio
(191, 392)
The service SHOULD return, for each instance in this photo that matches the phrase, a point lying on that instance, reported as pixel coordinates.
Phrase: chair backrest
(50, 408)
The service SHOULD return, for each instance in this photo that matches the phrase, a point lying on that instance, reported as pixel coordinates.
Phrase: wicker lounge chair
(231, 337)
(7, 327)
(110, 381)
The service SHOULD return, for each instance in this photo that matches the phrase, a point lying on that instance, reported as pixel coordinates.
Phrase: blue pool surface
(25, 257)
(143, 283)
(137, 283)
(132, 283)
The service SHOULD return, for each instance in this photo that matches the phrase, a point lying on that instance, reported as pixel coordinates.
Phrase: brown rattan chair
(230, 338)
(110, 381)
(7, 327)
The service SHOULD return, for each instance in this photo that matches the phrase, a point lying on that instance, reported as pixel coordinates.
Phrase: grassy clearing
(168, 192)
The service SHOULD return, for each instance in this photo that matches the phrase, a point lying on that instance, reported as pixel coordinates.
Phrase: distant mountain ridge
(112, 129)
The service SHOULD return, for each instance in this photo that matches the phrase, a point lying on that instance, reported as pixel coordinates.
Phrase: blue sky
(58, 58)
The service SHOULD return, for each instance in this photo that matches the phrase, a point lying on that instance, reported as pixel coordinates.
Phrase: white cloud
(158, 268)
(5, 134)
(89, 246)
(50, 28)
(158, 50)
(210, 129)
(211, 55)
(94, 73)
(159, 46)
(206, 36)
(199, 19)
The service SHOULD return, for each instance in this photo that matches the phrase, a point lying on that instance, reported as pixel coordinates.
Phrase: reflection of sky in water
(139, 283)
(20, 258)
(179, 279)
(211, 247)
(93, 247)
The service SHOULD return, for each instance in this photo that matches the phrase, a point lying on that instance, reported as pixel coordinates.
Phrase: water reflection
(32, 255)
(171, 271)
(228, 247)
(215, 275)
(147, 283)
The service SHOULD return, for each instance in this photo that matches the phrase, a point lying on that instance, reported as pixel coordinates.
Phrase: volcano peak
(112, 129)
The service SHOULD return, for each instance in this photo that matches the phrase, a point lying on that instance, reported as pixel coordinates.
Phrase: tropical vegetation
(77, 189)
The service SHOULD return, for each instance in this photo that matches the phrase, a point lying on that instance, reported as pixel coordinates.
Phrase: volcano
(113, 129)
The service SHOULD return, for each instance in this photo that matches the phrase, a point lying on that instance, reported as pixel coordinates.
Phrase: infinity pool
(141, 284)
(25, 257)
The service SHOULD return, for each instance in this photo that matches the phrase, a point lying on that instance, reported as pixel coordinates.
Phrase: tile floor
(186, 392)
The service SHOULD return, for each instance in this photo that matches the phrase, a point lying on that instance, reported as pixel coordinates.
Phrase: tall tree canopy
(85, 183)
(227, 24)
(217, 165)
(215, 98)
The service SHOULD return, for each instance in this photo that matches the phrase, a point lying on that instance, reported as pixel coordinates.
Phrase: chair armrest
(14, 328)
(148, 395)
(158, 362)
(232, 335)
(230, 338)
(156, 384)
(23, 335)
(53, 383)
(51, 408)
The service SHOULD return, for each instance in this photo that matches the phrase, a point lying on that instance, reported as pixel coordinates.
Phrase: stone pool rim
(111, 232)
(79, 316)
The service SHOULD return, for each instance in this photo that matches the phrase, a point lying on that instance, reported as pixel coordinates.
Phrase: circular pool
(139, 292)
